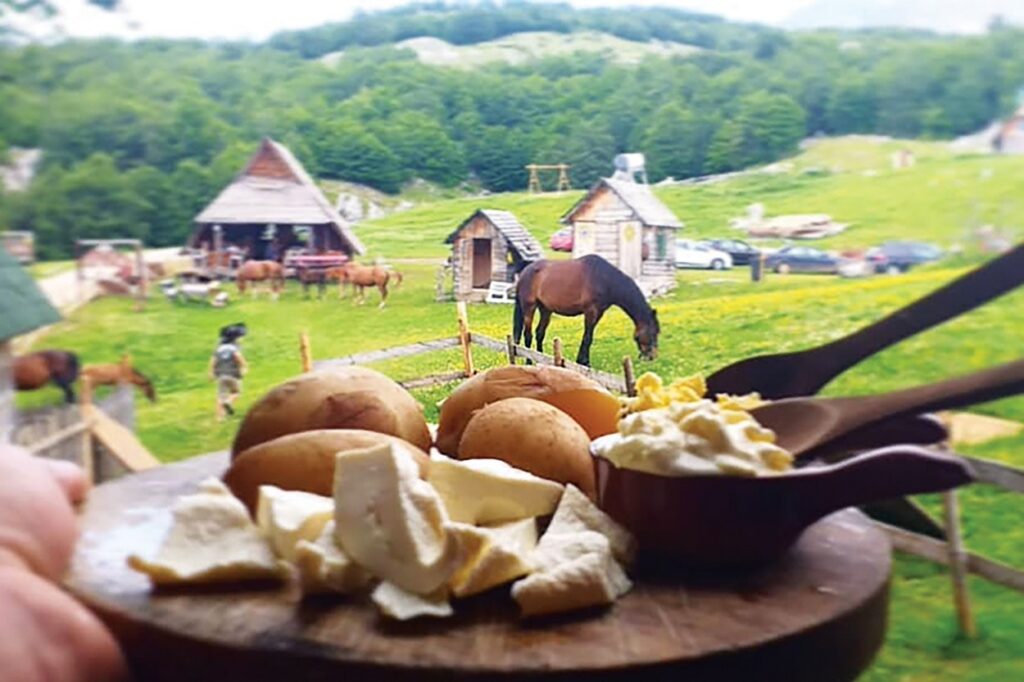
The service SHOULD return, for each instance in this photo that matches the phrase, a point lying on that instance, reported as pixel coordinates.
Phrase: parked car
(801, 259)
(561, 240)
(690, 254)
(900, 256)
(740, 251)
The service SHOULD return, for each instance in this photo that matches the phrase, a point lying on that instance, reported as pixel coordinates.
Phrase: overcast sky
(258, 19)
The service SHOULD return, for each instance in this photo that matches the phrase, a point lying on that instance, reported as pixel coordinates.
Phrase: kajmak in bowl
(712, 520)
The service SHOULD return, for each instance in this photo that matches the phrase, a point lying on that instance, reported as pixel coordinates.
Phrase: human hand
(44, 633)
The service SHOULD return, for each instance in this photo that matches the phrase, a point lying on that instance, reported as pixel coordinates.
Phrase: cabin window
(661, 245)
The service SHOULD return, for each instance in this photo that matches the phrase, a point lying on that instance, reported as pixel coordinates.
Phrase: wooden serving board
(817, 614)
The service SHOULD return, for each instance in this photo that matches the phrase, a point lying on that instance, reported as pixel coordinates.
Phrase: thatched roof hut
(23, 308)
(489, 246)
(266, 202)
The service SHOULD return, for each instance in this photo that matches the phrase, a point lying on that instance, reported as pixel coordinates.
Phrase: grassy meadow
(710, 320)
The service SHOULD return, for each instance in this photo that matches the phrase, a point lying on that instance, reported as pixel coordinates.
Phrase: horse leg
(591, 318)
(528, 311)
(383, 287)
(69, 391)
(542, 326)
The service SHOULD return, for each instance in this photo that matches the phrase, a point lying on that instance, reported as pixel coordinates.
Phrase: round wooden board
(818, 614)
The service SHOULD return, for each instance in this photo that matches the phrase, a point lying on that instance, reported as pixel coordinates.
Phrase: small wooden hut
(489, 246)
(624, 222)
(265, 206)
(23, 308)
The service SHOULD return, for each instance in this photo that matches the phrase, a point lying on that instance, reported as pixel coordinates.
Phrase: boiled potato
(583, 399)
(303, 461)
(338, 398)
(533, 436)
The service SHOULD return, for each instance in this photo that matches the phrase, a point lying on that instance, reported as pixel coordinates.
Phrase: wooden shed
(266, 204)
(624, 222)
(23, 308)
(489, 246)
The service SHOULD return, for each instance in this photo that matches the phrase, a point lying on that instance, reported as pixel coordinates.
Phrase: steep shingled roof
(504, 222)
(23, 307)
(274, 188)
(638, 197)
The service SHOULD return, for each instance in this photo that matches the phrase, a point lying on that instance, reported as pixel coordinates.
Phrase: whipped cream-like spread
(673, 437)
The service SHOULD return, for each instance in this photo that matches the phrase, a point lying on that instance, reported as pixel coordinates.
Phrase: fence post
(305, 352)
(627, 372)
(957, 563)
(467, 351)
(557, 346)
(510, 349)
(88, 452)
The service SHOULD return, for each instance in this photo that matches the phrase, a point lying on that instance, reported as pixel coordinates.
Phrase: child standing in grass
(227, 366)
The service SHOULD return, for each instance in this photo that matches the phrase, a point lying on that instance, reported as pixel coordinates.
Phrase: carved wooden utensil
(722, 521)
(805, 372)
(803, 424)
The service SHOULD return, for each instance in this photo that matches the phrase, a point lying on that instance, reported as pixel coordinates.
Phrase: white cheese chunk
(390, 521)
(211, 539)
(576, 563)
(399, 604)
(323, 567)
(589, 579)
(495, 555)
(483, 491)
(577, 513)
(288, 516)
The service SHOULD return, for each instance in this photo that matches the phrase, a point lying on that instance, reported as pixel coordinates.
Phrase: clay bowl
(729, 521)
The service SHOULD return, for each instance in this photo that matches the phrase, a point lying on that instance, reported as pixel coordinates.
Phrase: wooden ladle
(805, 372)
(805, 424)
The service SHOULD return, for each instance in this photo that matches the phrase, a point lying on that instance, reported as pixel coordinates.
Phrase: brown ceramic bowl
(723, 521)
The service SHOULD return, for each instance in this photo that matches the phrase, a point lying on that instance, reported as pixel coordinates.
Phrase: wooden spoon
(804, 372)
(804, 424)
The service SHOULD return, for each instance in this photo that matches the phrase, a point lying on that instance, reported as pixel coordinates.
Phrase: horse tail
(398, 277)
(517, 320)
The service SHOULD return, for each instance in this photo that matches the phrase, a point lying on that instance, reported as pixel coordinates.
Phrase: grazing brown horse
(362, 276)
(586, 286)
(35, 370)
(120, 373)
(267, 271)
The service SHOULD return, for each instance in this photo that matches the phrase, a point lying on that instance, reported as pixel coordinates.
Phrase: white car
(691, 254)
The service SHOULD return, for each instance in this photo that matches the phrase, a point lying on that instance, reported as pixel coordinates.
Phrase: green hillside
(942, 199)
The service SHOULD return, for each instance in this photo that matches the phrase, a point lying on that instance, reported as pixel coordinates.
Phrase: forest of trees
(137, 137)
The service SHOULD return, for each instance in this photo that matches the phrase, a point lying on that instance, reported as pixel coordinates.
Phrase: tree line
(137, 137)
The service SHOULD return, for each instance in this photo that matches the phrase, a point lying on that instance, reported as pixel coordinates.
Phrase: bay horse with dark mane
(363, 276)
(35, 370)
(585, 286)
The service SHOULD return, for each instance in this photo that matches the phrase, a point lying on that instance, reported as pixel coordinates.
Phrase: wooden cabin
(624, 222)
(23, 308)
(265, 208)
(489, 246)
(1010, 137)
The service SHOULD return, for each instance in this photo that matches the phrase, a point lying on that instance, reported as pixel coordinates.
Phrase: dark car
(742, 253)
(901, 256)
(801, 259)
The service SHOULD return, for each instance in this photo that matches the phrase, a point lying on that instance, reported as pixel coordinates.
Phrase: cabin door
(481, 263)
(630, 248)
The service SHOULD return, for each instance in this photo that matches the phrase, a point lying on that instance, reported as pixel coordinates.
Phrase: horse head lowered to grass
(585, 286)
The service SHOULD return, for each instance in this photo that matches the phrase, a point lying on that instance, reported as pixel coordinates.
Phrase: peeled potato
(533, 436)
(583, 399)
(303, 461)
(342, 398)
